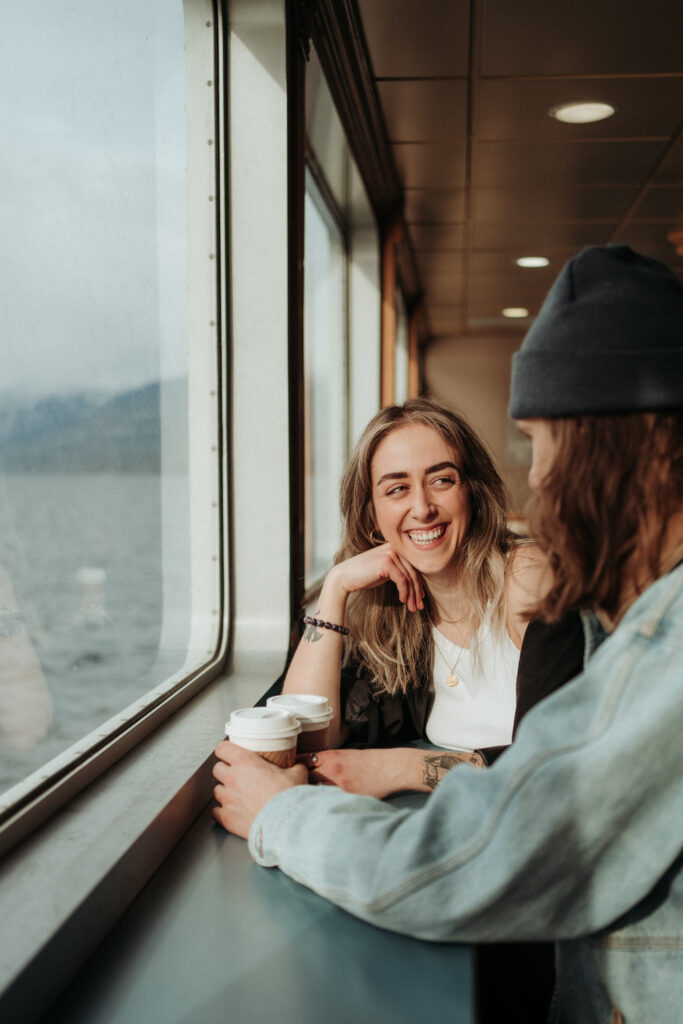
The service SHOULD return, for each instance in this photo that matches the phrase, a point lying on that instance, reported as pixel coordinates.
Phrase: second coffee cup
(313, 712)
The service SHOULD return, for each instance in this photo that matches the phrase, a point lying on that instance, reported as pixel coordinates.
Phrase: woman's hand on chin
(377, 566)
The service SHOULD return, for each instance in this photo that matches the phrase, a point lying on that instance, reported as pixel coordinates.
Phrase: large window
(109, 488)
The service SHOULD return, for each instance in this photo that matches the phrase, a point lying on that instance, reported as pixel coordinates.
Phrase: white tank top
(479, 711)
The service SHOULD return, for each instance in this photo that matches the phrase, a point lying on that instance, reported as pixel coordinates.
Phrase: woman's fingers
(416, 597)
(378, 565)
(407, 581)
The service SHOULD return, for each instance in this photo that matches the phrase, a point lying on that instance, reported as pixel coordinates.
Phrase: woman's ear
(375, 535)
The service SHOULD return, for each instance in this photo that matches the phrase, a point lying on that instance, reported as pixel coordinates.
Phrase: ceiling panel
(443, 237)
(518, 109)
(435, 262)
(672, 167)
(425, 111)
(413, 40)
(446, 320)
(539, 205)
(431, 164)
(583, 37)
(439, 239)
(432, 206)
(445, 289)
(661, 204)
(489, 176)
(537, 238)
(499, 164)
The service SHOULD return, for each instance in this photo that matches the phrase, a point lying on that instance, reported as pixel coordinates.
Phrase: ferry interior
(235, 229)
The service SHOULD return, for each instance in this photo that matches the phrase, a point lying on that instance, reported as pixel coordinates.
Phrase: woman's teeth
(426, 536)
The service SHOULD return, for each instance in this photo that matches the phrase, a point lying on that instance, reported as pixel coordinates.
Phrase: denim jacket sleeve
(574, 824)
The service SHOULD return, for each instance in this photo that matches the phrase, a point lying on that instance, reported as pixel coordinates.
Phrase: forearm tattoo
(437, 766)
(312, 633)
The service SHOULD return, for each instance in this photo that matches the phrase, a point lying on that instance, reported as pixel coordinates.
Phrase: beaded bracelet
(310, 621)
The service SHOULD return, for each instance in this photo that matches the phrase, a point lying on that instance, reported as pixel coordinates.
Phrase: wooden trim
(414, 351)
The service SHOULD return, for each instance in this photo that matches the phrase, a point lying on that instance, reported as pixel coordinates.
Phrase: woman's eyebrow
(443, 465)
(430, 469)
(391, 476)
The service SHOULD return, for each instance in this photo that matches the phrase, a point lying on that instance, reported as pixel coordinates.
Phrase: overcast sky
(93, 194)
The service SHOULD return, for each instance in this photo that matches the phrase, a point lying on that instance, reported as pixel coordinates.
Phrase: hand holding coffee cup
(270, 732)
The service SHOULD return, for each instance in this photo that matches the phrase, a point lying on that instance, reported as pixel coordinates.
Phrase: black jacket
(551, 655)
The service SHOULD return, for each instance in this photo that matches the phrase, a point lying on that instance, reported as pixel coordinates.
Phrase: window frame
(68, 773)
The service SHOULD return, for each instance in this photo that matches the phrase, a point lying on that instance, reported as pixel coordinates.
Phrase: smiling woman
(432, 590)
(421, 501)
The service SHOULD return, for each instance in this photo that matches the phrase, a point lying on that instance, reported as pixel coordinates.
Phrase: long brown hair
(602, 510)
(392, 645)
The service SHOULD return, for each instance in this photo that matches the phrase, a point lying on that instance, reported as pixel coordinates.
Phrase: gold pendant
(452, 680)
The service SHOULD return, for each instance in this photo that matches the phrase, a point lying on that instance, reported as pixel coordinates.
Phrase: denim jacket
(575, 834)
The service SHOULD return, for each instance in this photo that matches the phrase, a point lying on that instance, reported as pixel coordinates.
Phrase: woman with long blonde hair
(417, 628)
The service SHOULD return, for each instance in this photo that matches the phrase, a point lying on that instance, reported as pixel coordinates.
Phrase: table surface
(215, 938)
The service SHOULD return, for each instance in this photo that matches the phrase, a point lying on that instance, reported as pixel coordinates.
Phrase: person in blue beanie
(574, 834)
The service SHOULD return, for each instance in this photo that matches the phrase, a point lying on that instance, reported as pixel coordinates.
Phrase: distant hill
(95, 431)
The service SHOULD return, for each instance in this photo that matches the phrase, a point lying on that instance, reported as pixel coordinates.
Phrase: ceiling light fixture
(582, 113)
(515, 312)
(532, 261)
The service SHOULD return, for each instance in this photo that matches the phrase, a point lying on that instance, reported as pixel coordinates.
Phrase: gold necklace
(451, 678)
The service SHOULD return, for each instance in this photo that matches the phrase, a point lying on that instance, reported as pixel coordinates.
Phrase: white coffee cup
(313, 712)
(270, 732)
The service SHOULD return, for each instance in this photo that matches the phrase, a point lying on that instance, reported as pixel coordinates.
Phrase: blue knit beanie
(607, 339)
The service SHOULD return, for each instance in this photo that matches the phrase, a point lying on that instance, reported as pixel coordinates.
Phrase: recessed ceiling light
(582, 113)
(532, 261)
(516, 312)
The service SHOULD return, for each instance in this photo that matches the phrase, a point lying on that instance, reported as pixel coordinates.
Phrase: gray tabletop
(216, 938)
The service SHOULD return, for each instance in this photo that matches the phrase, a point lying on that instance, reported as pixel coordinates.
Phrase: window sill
(63, 888)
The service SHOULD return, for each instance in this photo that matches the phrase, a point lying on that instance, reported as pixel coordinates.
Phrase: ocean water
(82, 598)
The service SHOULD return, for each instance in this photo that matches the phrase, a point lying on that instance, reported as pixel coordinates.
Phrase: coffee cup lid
(266, 723)
(308, 707)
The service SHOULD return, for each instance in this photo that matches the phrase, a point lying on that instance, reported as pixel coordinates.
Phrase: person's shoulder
(527, 563)
(528, 580)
